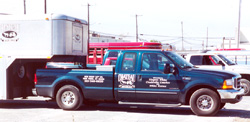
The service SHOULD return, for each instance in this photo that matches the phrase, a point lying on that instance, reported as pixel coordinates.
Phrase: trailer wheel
(205, 102)
(245, 84)
(69, 98)
(21, 71)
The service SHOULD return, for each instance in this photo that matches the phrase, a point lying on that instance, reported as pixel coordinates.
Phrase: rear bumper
(43, 91)
(231, 96)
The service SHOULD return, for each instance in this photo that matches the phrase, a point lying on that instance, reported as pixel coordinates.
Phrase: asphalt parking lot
(36, 109)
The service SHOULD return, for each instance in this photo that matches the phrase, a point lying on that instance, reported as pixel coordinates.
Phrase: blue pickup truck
(141, 76)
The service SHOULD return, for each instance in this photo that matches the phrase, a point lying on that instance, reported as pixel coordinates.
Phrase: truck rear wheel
(205, 102)
(69, 98)
(245, 84)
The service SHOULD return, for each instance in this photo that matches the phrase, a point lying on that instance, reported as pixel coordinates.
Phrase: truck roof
(200, 54)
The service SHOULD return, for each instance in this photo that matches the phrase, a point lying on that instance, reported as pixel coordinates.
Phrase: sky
(161, 20)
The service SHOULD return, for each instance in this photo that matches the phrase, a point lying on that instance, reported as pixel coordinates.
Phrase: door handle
(139, 78)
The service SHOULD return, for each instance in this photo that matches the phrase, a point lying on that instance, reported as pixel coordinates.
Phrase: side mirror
(169, 68)
(221, 63)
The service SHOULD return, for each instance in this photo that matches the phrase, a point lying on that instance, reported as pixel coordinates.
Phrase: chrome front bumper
(231, 96)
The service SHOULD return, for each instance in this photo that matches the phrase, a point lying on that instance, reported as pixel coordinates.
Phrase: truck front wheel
(245, 84)
(69, 98)
(205, 102)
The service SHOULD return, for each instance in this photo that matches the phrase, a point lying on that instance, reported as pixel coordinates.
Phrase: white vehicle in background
(220, 62)
(28, 42)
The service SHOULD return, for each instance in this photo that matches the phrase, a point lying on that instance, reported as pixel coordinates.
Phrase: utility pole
(136, 27)
(24, 4)
(229, 43)
(207, 39)
(223, 43)
(203, 45)
(238, 36)
(88, 27)
(45, 6)
(182, 35)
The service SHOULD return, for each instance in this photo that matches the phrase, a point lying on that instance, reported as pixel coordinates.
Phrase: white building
(244, 40)
(98, 38)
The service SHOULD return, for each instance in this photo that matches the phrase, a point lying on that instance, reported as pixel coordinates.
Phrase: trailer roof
(41, 17)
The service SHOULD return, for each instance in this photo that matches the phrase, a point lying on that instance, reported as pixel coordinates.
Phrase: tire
(69, 98)
(222, 105)
(245, 84)
(205, 102)
(21, 72)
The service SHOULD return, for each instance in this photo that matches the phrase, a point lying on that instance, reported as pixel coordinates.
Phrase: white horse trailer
(28, 42)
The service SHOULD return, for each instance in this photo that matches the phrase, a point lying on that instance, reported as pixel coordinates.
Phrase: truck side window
(153, 61)
(113, 54)
(128, 62)
(215, 60)
(196, 60)
(206, 60)
(113, 62)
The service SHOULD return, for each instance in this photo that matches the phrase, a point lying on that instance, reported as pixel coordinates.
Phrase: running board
(152, 104)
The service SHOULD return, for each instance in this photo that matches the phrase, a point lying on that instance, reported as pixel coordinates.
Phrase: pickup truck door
(125, 79)
(152, 84)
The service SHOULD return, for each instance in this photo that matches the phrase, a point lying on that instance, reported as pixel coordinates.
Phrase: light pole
(24, 5)
(182, 39)
(136, 27)
(88, 29)
(45, 6)
(207, 39)
(238, 36)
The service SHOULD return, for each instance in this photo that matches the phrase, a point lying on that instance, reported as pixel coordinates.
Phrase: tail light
(35, 79)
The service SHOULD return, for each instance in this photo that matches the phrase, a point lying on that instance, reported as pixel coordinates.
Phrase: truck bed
(95, 84)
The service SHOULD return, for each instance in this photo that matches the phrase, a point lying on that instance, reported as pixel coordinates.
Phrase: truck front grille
(237, 83)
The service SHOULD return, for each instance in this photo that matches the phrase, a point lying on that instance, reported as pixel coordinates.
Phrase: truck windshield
(229, 62)
(180, 61)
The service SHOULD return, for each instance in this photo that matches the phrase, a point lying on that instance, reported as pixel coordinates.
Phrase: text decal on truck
(93, 79)
(126, 80)
(159, 82)
(9, 32)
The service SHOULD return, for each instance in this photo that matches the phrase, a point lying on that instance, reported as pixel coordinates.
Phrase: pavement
(39, 109)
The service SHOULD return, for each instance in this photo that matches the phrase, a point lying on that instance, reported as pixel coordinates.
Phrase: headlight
(228, 84)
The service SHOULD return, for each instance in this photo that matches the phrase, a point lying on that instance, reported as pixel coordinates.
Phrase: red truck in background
(97, 50)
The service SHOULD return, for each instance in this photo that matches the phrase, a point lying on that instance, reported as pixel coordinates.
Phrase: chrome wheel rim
(68, 98)
(205, 103)
(244, 86)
